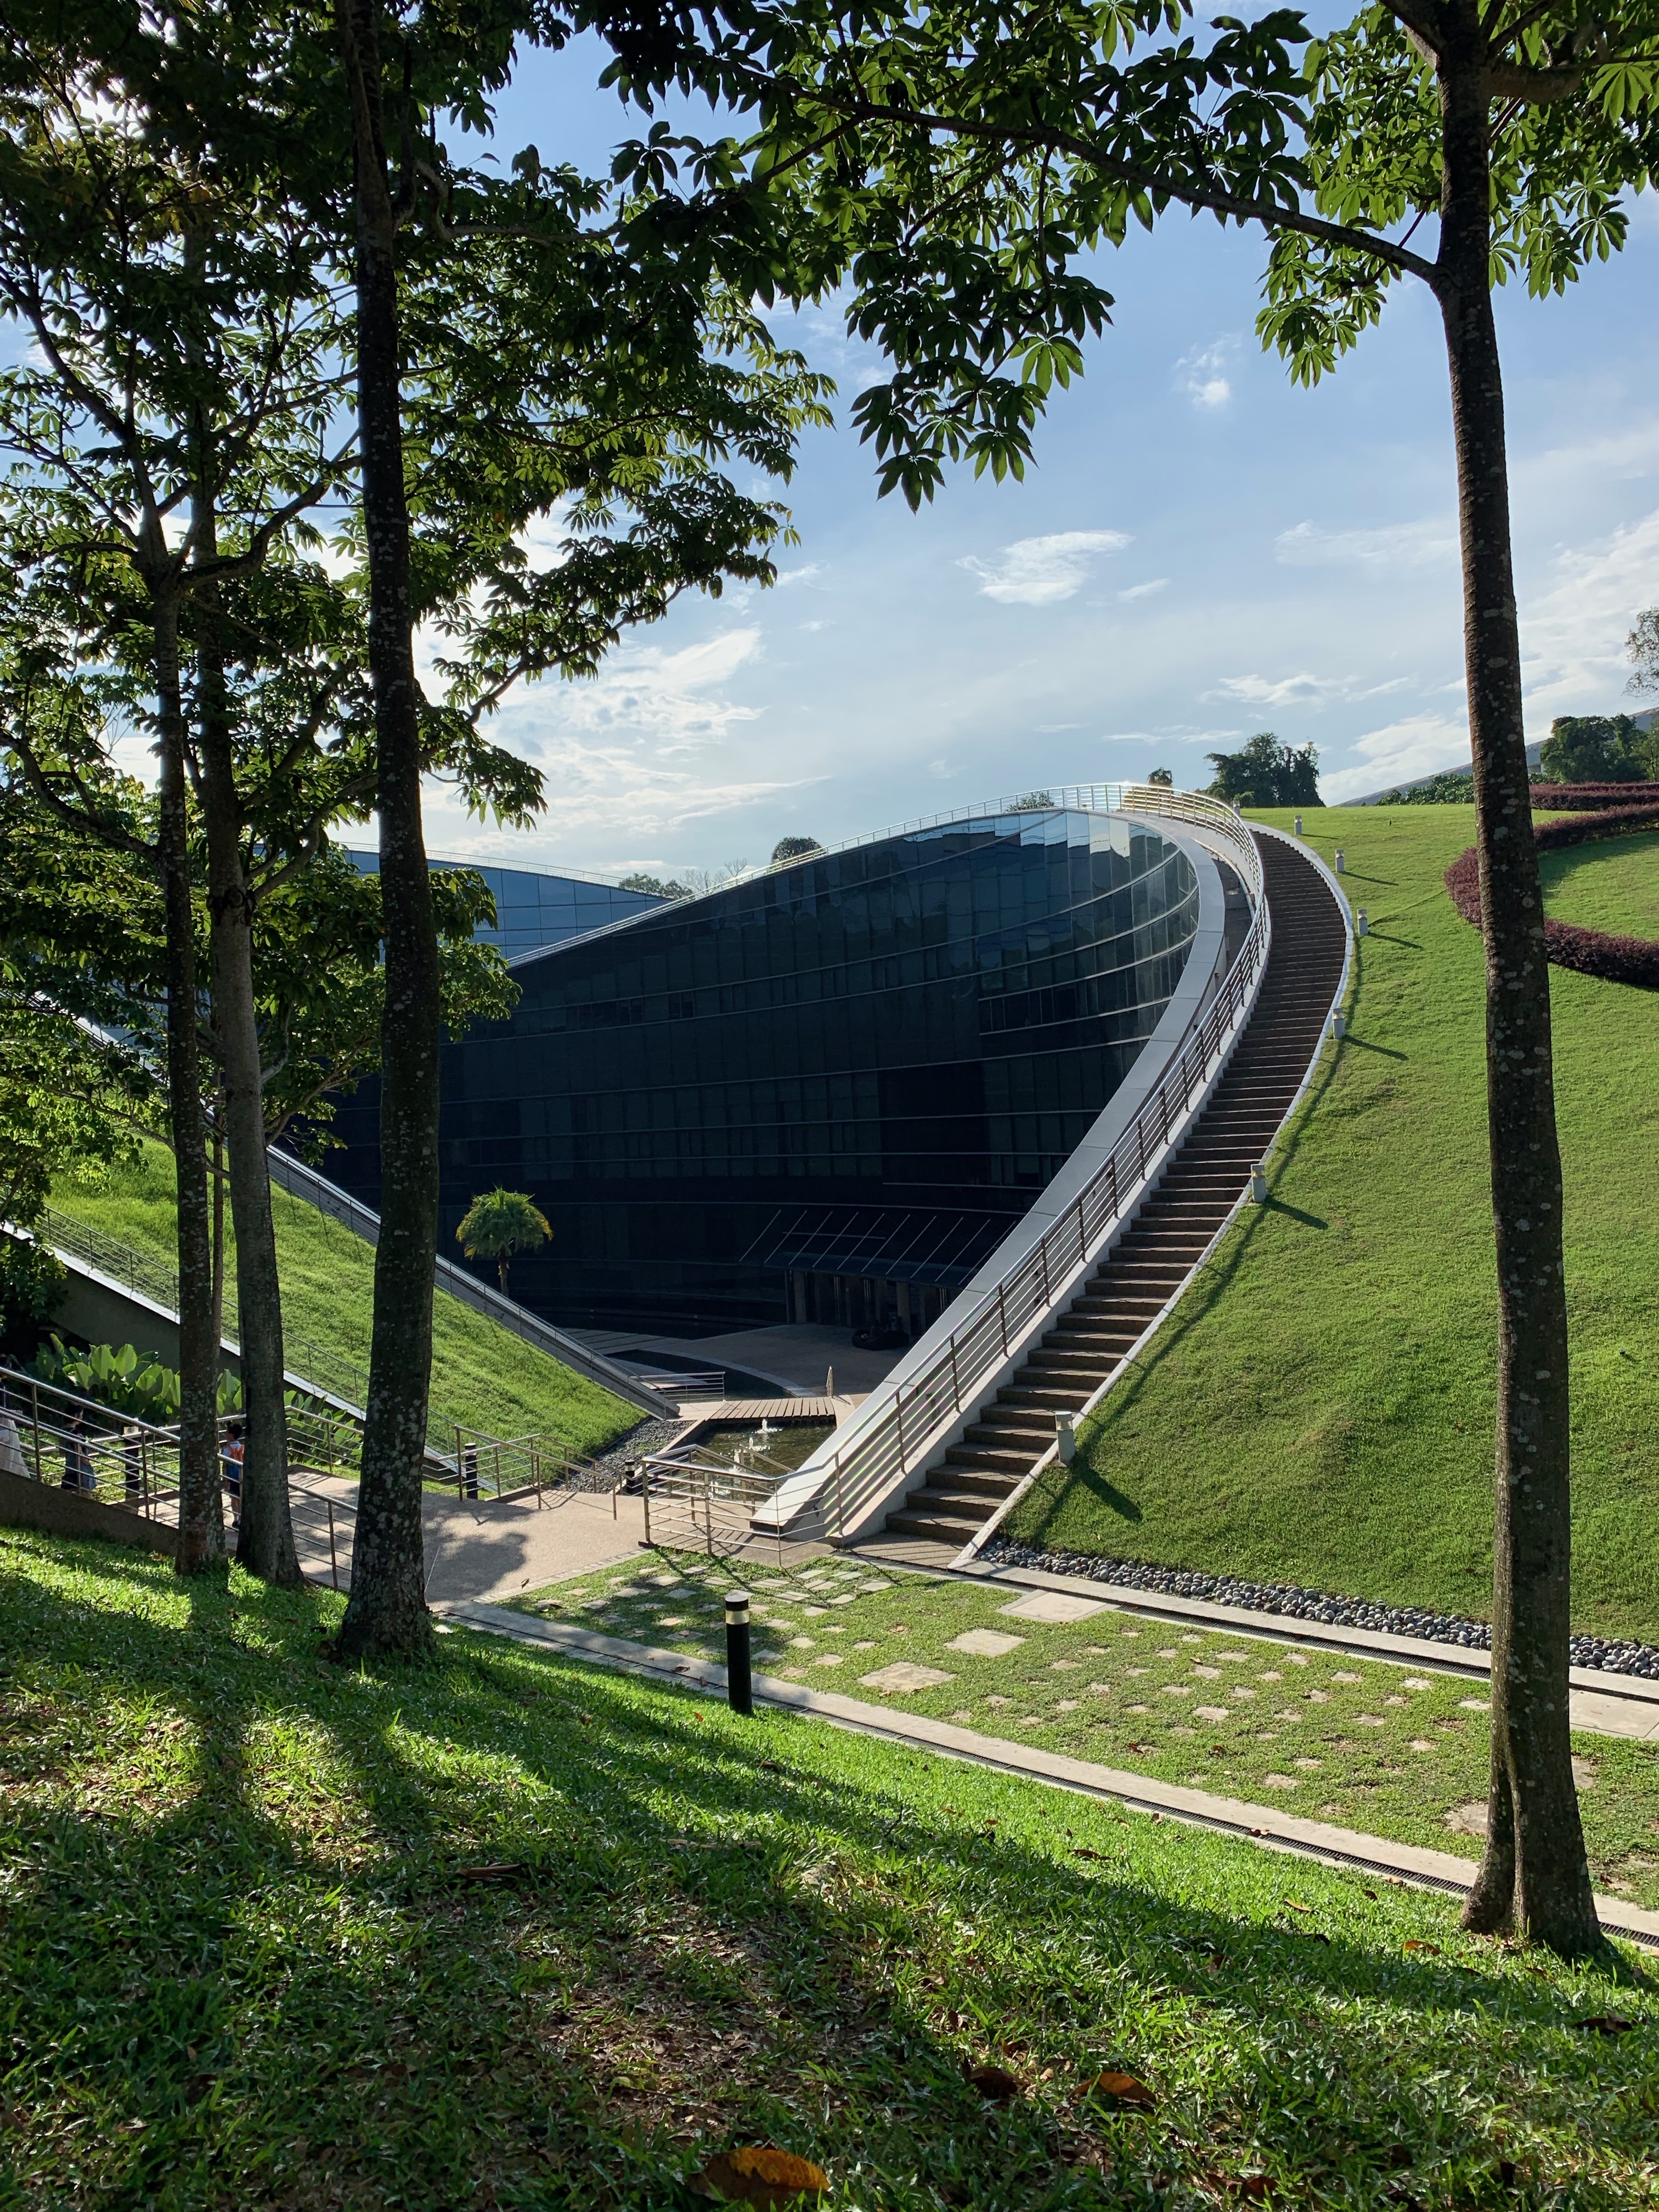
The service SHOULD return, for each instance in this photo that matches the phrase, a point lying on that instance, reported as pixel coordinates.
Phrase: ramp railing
(895, 1432)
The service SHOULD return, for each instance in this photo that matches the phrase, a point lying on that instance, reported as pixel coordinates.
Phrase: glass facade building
(825, 1094)
(533, 909)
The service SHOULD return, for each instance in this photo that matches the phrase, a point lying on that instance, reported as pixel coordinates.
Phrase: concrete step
(944, 1493)
(951, 1527)
(988, 1459)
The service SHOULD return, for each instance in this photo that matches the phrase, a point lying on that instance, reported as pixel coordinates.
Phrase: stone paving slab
(1057, 1605)
(1267, 1825)
(985, 1644)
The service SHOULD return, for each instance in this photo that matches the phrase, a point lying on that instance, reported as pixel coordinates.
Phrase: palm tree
(500, 1223)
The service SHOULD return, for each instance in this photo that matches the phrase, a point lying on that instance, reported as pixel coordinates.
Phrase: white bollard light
(1065, 1438)
(1362, 927)
(1298, 825)
(1339, 1026)
(1340, 864)
(1257, 1185)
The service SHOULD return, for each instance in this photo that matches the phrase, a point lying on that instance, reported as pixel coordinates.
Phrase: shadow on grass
(441, 1934)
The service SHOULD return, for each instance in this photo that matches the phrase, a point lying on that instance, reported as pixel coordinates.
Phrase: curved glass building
(822, 1094)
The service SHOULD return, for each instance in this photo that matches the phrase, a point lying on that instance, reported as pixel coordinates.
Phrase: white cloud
(645, 692)
(1572, 634)
(1200, 374)
(1395, 545)
(1303, 690)
(1421, 744)
(1037, 571)
(1146, 591)
(804, 574)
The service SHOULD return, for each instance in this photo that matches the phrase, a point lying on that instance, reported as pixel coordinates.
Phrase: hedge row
(1569, 798)
(1633, 960)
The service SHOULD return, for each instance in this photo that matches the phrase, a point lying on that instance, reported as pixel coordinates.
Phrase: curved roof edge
(1060, 798)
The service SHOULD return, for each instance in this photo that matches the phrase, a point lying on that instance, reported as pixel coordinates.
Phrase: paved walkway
(1267, 1825)
(481, 1548)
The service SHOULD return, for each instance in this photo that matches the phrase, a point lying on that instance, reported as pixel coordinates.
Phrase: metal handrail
(512, 1466)
(897, 1427)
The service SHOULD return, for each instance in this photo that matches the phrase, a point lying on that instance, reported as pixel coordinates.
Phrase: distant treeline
(1580, 749)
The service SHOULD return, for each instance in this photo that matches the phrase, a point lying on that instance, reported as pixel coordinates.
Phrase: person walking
(230, 1456)
(78, 1473)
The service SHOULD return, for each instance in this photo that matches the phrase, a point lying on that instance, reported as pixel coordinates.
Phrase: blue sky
(1200, 552)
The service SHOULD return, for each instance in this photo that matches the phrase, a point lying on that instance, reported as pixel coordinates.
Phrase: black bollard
(739, 1695)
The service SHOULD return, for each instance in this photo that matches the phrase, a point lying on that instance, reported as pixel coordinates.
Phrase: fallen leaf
(1371, 1893)
(1413, 1944)
(1291, 1906)
(1605, 2023)
(769, 1767)
(491, 1873)
(994, 2083)
(1253, 2185)
(760, 2175)
(1126, 2091)
(1082, 1851)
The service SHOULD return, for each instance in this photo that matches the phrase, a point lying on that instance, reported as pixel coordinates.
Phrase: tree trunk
(1533, 1877)
(201, 1520)
(387, 1612)
(216, 1187)
(265, 1540)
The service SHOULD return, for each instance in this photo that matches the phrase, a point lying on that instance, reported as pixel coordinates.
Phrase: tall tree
(522, 351)
(959, 161)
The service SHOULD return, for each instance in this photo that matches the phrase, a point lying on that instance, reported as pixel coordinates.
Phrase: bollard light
(1257, 1185)
(739, 1687)
(1341, 864)
(1298, 825)
(1362, 926)
(1065, 1438)
(1339, 1026)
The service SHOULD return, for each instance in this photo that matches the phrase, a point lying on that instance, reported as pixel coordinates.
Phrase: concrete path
(1267, 1825)
(487, 1548)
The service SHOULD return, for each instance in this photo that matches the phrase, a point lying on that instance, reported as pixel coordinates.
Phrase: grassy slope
(482, 1374)
(248, 1958)
(1321, 1409)
(1389, 1750)
(1612, 886)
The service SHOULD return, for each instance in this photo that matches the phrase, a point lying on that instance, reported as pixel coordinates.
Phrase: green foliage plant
(1599, 748)
(1265, 773)
(500, 1223)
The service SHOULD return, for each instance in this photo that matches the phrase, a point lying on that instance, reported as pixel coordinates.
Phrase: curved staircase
(1147, 1268)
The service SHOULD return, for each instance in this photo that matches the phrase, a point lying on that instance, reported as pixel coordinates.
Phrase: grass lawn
(509, 1932)
(1320, 1410)
(482, 1374)
(1612, 886)
(1386, 1749)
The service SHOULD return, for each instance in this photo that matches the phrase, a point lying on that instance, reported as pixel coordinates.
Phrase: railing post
(34, 1409)
(1002, 1317)
(840, 1516)
(955, 1385)
(645, 1494)
(333, 1556)
(898, 1418)
(1043, 1254)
